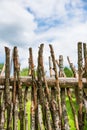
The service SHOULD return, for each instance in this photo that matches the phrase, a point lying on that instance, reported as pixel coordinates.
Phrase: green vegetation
(68, 72)
(70, 114)
(1, 66)
(24, 72)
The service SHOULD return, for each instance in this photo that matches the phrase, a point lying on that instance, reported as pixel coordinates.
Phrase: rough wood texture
(26, 80)
(2, 105)
(72, 68)
(48, 107)
(50, 66)
(34, 123)
(80, 85)
(20, 97)
(75, 74)
(14, 86)
(64, 116)
(57, 88)
(7, 89)
(47, 95)
(85, 58)
(41, 96)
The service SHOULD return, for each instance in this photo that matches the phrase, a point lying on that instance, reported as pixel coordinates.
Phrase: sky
(28, 23)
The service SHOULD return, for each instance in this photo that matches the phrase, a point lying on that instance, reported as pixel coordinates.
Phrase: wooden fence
(47, 96)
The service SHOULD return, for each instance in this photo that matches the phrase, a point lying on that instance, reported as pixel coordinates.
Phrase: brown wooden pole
(80, 85)
(72, 67)
(46, 94)
(20, 97)
(57, 87)
(0, 109)
(50, 66)
(34, 120)
(2, 117)
(14, 92)
(75, 75)
(41, 97)
(7, 90)
(65, 82)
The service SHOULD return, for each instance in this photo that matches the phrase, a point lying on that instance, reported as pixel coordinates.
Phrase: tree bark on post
(20, 97)
(0, 108)
(41, 97)
(80, 86)
(3, 111)
(2, 104)
(14, 87)
(25, 112)
(63, 97)
(57, 87)
(50, 66)
(72, 68)
(34, 123)
(85, 76)
(85, 57)
(7, 89)
(46, 93)
(75, 75)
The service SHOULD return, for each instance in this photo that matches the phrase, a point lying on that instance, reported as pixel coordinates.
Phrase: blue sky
(27, 23)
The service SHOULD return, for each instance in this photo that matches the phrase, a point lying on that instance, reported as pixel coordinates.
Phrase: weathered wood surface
(80, 86)
(49, 109)
(26, 80)
(64, 115)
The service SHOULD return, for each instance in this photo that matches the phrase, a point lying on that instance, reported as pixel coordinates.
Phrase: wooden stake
(50, 66)
(20, 97)
(80, 85)
(7, 90)
(34, 123)
(57, 87)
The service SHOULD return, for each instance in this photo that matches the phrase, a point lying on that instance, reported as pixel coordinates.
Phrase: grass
(28, 105)
(70, 115)
(28, 110)
(69, 112)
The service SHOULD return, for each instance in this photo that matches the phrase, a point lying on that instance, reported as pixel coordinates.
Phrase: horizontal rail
(27, 80)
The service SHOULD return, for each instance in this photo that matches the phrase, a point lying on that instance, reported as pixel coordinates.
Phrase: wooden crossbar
(64, 82)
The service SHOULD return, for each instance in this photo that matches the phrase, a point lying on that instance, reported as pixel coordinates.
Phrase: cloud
(28, 23)
(16, 25)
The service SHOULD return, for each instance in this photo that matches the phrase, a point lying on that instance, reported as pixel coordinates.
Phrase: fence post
(63, 97)
(7, 90)
(20, 97)
(80, 86)
(57, 89)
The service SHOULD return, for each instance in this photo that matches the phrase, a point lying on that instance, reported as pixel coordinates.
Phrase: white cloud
(44, 9)
(20, 27)
(16, 25)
